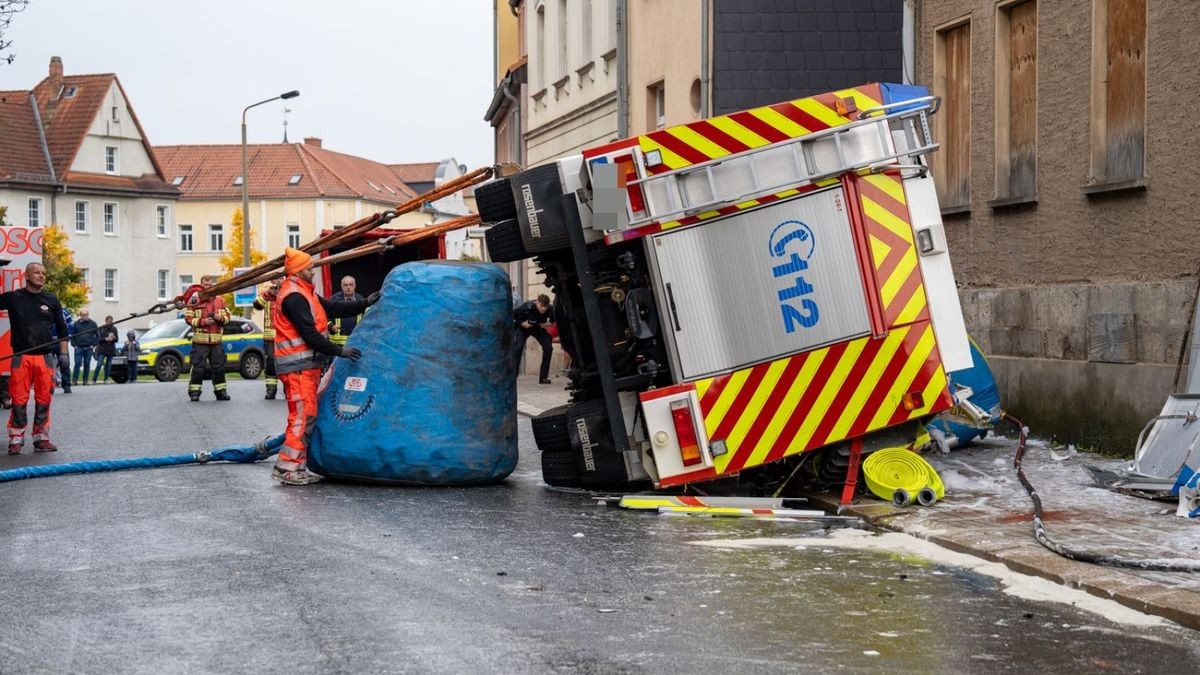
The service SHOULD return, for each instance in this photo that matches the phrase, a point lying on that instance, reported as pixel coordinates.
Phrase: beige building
(1068, 182)
(665, 76)
(297, 192)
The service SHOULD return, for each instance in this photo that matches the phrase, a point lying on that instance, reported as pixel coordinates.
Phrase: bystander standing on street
(130, 349)
(341, 328)
(37, 322)
(84, 340)
(106, 349)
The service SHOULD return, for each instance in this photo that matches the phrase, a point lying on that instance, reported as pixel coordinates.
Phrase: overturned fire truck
(742, 290)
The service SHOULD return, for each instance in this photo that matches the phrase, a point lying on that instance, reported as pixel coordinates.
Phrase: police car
(165, 349)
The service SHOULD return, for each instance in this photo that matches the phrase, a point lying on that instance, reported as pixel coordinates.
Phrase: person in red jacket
(207, 320)
(36, 317)
(301, 319)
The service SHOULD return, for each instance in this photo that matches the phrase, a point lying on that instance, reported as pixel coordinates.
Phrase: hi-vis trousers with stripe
(300, 390)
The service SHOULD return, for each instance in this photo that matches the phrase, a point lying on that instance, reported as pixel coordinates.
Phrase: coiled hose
(1039, 528)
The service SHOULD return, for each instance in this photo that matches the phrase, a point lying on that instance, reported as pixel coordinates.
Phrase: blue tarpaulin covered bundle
(433, 400)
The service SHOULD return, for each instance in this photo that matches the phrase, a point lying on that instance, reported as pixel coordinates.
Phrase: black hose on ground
(1039, 528)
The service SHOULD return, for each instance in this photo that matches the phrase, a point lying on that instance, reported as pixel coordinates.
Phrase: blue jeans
(83, 359)
(103, 361)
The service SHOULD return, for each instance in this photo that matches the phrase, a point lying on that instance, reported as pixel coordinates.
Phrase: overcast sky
(389, 80)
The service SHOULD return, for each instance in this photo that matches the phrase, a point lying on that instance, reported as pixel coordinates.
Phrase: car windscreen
(168, 329)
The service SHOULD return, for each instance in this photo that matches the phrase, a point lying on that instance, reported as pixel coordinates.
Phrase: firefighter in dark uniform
(208, 321)
(264, 302)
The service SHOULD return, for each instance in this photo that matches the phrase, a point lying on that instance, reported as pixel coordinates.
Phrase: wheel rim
(169, 367)
(252, 366)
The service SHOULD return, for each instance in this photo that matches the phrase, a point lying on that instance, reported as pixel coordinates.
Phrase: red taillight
(913, 400)
(685, 429)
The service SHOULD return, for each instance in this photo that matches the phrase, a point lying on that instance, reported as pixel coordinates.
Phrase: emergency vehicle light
(685, 429)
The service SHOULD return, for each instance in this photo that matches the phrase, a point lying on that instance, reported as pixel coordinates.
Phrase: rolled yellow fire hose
(901, 476)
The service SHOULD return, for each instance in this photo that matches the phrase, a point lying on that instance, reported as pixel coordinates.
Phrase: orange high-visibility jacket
(292, 353)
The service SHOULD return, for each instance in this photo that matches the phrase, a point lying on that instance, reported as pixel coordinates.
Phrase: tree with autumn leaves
(232, 257)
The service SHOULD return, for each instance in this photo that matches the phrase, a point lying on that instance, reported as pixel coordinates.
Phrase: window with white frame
(185, 282)
(110, 160)
(585, 33)
(163, 220)
(185, 238)
(539, 69)
(87, 277)
(216, 237)
(82, 211)
(656, 106)
(293, 235)
(110, 218)
(110, 284)
(163, 276)
(35, 212)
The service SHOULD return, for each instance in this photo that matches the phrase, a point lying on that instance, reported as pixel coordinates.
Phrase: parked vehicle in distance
(165, 349)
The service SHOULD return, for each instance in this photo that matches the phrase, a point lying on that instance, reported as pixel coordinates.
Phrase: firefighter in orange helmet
(301, 319)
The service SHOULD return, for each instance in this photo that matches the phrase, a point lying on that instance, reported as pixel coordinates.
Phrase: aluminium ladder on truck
(799, 266)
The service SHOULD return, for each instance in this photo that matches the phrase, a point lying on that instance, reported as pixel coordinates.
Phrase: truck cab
(741, 290)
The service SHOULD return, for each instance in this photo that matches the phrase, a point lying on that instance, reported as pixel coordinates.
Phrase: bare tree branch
(7, 9)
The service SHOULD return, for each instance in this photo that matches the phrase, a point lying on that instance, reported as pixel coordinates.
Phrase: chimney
(313, 141)
(56, 74)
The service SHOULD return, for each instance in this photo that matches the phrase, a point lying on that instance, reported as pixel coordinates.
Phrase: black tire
(559, 469)
(250, 366)
(550, 430)
(167, 368)
(504, 242)
(119, 378)
(495, 201)
(554, 231)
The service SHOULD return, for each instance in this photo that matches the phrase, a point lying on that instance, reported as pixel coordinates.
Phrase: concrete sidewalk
(987, 514)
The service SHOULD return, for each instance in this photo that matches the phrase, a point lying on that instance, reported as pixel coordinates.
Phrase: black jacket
(529, 312)
(107, 346)
(85, 334)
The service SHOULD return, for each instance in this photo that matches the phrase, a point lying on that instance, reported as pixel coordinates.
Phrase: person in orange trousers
(36, 318)
(301, 319)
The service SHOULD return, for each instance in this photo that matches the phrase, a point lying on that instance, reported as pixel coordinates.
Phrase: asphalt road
(217, 569)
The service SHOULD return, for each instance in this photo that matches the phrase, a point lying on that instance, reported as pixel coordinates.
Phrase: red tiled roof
(21, 156)
(65, 122)
(209, 172)
(423, 172)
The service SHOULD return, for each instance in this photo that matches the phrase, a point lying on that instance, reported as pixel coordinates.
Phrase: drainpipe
(704, 42)
(908, 43)
(516, 114)
(622, 71)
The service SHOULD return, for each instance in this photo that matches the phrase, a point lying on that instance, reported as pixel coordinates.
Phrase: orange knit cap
(296, 261)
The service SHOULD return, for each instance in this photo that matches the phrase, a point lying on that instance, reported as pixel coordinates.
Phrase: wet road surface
(215, 568)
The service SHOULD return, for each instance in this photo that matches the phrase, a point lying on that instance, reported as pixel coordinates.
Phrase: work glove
(351, 353)
(63, 360)
(372, 298)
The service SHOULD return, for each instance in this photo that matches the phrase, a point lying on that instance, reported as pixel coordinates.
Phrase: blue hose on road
(241, 454)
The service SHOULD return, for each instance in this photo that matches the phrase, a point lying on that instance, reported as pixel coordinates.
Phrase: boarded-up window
(1016, 100)
(952, 81)
(1118, 91)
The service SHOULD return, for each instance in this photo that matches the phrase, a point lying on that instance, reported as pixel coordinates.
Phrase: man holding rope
(36, 318)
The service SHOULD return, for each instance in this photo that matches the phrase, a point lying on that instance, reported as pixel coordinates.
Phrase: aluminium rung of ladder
(865, 144)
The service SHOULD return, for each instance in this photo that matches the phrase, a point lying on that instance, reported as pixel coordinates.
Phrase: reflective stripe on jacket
(292, 353)
(207, 335)
(266, 305)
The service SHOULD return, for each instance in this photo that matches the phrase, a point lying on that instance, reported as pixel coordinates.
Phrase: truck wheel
(559, 470)
(504, 242)
(550, 430)
(495, 201)
(552, 228)
(167, 368)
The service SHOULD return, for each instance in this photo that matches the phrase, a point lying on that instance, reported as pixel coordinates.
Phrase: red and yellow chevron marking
(893, 253)
(810, 400)
(716, 137)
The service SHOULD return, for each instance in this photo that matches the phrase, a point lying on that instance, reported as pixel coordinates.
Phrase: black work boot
(193, 396)
(222, 395)
(271, 392)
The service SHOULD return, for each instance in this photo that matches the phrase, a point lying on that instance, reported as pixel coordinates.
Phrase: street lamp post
(246, 178)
